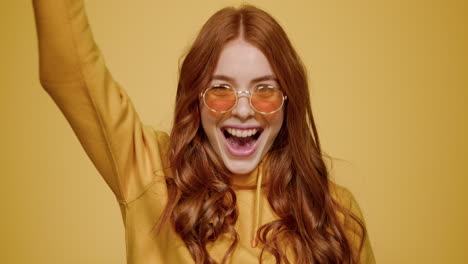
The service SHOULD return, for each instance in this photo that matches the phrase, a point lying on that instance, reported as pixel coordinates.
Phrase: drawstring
(257, 207)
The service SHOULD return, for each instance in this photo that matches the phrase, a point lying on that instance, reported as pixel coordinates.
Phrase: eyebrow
(258, 79)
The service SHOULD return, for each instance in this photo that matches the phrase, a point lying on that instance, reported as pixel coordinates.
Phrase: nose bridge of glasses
(244, 93)
(243, 106)
(247, 95)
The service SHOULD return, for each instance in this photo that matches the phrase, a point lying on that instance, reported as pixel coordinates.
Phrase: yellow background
(389, 90)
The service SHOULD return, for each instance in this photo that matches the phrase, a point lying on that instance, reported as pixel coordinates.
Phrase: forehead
(242, 62)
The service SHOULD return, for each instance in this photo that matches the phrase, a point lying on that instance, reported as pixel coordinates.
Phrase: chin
(241, 167)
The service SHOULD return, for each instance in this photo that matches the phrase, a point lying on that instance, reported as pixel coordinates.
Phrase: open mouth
(241, 142)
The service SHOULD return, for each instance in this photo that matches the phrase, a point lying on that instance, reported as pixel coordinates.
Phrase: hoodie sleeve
(73, 73)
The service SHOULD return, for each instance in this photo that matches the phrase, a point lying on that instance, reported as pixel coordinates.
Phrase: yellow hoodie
(131, 156)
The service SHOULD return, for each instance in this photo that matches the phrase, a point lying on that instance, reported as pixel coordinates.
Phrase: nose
(243, 110)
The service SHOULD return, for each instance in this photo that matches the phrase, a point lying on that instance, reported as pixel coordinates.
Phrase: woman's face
(241, 137)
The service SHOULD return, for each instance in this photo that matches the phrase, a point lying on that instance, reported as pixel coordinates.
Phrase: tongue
(241, 143)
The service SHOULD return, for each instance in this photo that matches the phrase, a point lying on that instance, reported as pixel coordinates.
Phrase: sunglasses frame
(243, 93)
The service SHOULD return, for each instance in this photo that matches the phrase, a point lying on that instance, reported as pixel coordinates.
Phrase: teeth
(242, 132)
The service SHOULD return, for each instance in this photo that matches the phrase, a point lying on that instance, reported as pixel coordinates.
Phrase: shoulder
(162, 141)
(354, 224)
(161, 136)
(345, 198)
(347, 209)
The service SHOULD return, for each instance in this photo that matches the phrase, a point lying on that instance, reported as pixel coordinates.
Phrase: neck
(245, 180)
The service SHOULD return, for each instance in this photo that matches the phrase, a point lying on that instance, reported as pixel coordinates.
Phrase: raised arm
(73, 72)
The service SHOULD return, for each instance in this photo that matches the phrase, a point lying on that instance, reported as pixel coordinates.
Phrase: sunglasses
(264, 99)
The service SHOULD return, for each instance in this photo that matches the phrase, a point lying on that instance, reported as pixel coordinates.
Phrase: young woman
(241, 178)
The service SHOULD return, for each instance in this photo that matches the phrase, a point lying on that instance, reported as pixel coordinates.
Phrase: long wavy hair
(201, 202)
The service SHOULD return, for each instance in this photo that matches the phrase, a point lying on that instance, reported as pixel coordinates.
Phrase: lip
(235, 152)
(240, 127)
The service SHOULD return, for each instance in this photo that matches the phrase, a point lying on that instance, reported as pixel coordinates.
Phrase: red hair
(201, 202)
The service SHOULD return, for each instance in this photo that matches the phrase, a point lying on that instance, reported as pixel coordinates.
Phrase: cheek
(207, 113)
(209, 119)
(213, 115)
(273, 117)
(275, 120)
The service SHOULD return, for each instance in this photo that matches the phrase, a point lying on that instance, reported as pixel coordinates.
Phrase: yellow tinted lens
(220, 98)
(267, 99)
